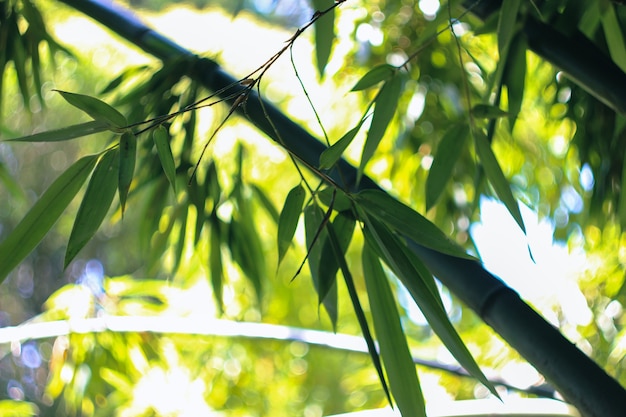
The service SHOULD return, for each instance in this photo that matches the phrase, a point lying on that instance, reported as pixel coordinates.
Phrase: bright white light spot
(368, 33)
(559, 146)
(429, 8)
(586, 178)
(416, 105)
(571, 199)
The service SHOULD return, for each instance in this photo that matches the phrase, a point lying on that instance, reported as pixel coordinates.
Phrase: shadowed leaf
(128, 157)
(162, 143)
(288, 220)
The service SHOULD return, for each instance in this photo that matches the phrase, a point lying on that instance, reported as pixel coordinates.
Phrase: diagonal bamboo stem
(581, 381)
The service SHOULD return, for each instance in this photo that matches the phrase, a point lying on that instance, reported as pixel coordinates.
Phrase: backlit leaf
(408, 222)
(95, 205)
(385, 108)
(42, 216)
(394, 349)
(614, 35)
(128, 156)
(288, 220)
(448, 153)
(162, 143)
(419, 282)
(65, 133)
(95, 108)
(330, 156)
(324, 33)
(215, 261)
(374, 76)
(496, 177)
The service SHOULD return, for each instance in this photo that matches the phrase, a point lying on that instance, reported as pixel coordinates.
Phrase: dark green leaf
(162, 142)
(128, 156)
(423, 292)
(614, 35)
(288, 220)
(330, 156)
(496, 177)
(324, 33)
(343, 228)
(449, 151)
(514, 78)
(265, 202)
(245, 248)
(335, 197)
(40, 218)
(385, 108)
(374, 76)
(65, 133)
(95, 108)
(394, 349)
(95, 204)
(408, 222)
(487, 111)
(506, 24)
(215, 261)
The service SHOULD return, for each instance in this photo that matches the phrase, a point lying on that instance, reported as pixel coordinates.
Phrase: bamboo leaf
(265, 202)
(245, 247)
(343, 228)
(506, 24)
(514, 78)
(65, 133)
(423, 293)
(614, 35)
(128, 156)
(42, 216)
(330, 156)
(95, 108)
(95, 205)
(449, 151)
(408, 222)
(162, 143)
(215, 261)
(288, 220)
(384, 110)
(324, 33)
(496, 177)
(487, 111)
(394, 349)
(374, 76)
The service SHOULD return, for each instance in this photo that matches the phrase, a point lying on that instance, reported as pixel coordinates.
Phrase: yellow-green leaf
(324, 33)
(65, 133)
(42, 216)
(288, 220)
(343, 228)
(162, 143)
(128, 156)
(95, 204)
(408, 222)
(448, 153)
(95, 108)
(330, 156)
(394, 350)
(384, 110)
(374, 76)
(506, 24)
(496, 177)
(614, 35)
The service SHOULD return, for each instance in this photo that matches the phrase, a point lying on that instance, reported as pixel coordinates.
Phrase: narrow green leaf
(324, 33)
(514, 78)
(95, 108)
(313, 220)
(374, 76)
(614, 35)
(246, 250)
(506, 24)
(288, 220)
(408, 222)
(487, 111)
(449, 151)
(335, 197)
(42, 216)
(179, 245)
(496, 177)
(19, 61)
(265, 202)
(343, 227)
(128, 156)
(330, 156)
(215, 261)
(65, 133)
(394, 350)
(95, 204)
(162, 143)
(385, 108)
(423, 293)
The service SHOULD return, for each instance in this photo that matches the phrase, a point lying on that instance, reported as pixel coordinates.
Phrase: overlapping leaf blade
(95, 108)
(374, 76)
(514, 78)
(506, 24)
(162, 143)
(128, 157)
(330, 156)
(394, 350)
(95, 205)
(65, 133)
(42, 216)
(408, 222)
(449, 151)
